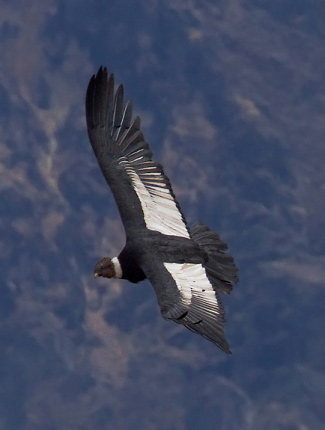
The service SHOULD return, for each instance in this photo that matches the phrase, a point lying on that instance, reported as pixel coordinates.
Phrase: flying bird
(187, 266)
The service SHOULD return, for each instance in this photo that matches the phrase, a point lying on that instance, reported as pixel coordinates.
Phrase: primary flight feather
(187, 266)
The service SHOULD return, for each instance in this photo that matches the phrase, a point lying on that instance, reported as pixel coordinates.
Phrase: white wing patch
(158, 205)
(191, 280)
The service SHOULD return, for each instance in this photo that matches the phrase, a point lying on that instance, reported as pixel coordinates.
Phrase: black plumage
(187, 267)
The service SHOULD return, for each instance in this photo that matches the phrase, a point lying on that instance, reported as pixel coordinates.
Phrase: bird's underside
(188, 267)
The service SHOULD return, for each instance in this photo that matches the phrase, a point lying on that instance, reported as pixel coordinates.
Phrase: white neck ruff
(117, 268)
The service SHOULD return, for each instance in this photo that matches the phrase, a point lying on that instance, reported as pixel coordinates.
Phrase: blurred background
(232, 100)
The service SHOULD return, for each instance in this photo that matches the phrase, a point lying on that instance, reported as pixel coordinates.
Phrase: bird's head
(105, 268)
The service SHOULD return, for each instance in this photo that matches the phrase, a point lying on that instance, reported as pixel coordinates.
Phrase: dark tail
(220, 267)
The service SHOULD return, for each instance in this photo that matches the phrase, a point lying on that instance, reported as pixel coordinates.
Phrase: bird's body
(186, 266)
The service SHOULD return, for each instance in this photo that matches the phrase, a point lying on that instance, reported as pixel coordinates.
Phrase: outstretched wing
(186, 295)
(141, 189)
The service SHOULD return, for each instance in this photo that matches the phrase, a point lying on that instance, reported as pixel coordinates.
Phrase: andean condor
(187, 266)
